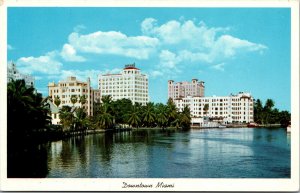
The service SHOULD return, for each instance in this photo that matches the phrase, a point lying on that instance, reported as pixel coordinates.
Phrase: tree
(104, 119)
(148, 114)
(267, 115)
(161, 115)
(82, 99)
(185, 118)
(81, 122)
(57, 101)
(27, 112)
(171, 111)
(269, 105)
(120, 108)
(66, 117)
(74, 99)
(133, 117)
(258, 110)
(206, 107)
(106, 99)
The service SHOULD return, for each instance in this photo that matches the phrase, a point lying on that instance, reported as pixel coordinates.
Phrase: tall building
(14, 74)
(130, 84)
(72, 87)
(185, 89)
(226, 109)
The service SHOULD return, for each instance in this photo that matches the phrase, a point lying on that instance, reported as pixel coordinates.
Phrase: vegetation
(122, 113)
(32, 113)
(27, 124)
(268, 115)
(27, 112)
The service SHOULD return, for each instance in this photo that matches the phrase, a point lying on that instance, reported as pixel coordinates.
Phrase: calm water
(207, 153)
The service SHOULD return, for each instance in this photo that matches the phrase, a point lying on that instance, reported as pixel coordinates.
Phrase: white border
(181, 184)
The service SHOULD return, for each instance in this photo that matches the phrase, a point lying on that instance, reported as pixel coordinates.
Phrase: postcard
(149, 95)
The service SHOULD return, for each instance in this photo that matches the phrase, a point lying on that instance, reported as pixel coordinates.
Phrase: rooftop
(130, 67)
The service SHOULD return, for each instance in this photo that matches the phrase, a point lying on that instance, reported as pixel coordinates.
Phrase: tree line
(29, 114)
(122, 113)
(267, 114)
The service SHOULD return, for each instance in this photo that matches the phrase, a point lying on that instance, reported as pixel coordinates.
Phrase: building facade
(129, 84)
(184, 89)
(72, 87)
(224, 109)
(14, 74)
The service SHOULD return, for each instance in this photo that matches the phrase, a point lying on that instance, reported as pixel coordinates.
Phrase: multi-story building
(14, 74)
(72, 87)
(185, 89)
(129, 84)
(224, 109)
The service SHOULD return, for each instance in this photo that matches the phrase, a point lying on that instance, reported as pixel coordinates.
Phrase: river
(153, 153)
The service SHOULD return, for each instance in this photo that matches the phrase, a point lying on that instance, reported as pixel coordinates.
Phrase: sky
(231, 49)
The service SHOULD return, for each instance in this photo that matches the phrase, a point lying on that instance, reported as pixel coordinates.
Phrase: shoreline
(62, 136)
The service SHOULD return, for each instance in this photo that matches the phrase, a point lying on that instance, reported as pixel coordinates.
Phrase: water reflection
(28, 161)
(206, 153)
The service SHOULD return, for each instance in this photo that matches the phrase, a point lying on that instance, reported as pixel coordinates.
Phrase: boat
(252, 125)
(222, 126)
(288, 128)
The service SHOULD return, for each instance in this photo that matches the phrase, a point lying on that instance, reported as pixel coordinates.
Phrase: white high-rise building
(184, 89)
(14, 74)
(130, 84)
(224, 109)
(72, 87)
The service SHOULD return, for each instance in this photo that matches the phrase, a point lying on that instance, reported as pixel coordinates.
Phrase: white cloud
(79, 28)
(168, 59)
(113, 42)
(187, 41)
(219, 67)
(47, 64)
(111, 71)
(227, 46)
(68, 53)
(182, 32)
(81, 75)
(156, 73)
(9, 47)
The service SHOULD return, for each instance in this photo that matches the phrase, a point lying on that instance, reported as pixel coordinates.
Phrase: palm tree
(80, 120)
(66, 117)
(269, 104)
(104, 119)
(161, 115)
(258, 110)
(206, 107)
(27, 112)
(82, 99)
(148, 114)
(185, 118)
(133, 117)
(106, 99)
(267, 110)
(171, 111)
(57, 101)
(74, 99)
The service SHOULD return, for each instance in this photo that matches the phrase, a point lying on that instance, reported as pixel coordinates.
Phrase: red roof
(130, 68)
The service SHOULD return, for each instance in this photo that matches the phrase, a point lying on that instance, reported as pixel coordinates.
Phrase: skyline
(230, 49)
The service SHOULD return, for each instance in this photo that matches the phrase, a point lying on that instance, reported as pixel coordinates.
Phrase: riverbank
(241, 126)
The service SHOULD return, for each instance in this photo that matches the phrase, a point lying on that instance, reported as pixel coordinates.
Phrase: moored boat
(288, 128)
(252, 125)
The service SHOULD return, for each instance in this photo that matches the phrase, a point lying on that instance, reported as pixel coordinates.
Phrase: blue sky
(230, 49)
